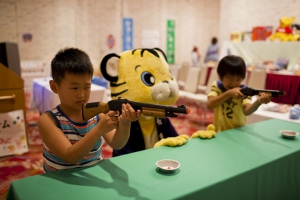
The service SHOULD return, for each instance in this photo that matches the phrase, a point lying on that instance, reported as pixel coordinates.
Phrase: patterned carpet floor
(30, 163)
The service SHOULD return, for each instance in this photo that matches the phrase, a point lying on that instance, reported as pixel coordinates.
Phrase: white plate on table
(289, 134)
(167, 165)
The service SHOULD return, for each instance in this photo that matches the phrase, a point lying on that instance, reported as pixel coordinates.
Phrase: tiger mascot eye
(143, 75)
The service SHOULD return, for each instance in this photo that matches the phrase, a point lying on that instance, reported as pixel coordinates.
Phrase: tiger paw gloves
(208, 133)
(182, 139)
(172, 141)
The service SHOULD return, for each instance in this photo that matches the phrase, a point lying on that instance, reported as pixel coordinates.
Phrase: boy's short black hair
(70, 60)
(232, 65)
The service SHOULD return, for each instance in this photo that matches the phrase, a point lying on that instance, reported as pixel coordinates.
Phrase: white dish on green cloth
(167, 165)
(289, 134)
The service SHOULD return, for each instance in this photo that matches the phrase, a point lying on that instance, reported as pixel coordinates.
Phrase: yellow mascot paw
(183, 137)
(210, 127)
(172, 141)
(196, 134)
(160, 143)
(208, 133)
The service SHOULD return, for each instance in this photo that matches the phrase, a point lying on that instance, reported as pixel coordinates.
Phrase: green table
(252, 162)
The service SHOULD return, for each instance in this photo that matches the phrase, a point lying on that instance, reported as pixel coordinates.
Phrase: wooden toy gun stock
(251, 92)
(90, 110)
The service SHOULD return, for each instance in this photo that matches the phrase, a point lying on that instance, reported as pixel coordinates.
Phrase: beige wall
(86, 23)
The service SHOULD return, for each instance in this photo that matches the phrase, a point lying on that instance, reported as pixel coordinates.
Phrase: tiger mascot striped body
(142, 75)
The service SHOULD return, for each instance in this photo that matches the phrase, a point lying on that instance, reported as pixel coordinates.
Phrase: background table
(251, 162)
(44, 99)
(263, 111)
(289, 83)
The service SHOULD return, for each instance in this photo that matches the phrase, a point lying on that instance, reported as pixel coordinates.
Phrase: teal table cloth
(251, 162)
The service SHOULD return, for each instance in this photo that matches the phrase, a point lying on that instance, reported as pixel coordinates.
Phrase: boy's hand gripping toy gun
(90, 110)
(251, 92)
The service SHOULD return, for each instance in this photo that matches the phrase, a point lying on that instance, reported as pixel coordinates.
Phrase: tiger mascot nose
(164, 90)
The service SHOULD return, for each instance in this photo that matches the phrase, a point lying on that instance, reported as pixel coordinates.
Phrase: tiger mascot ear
(109, 67)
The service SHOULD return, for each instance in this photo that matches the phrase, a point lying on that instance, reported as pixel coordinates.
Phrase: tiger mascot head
(141, 75)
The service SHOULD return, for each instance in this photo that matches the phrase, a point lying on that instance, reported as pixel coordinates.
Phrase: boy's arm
(214, 101)
(251, 108)
(54, 138)
(118, 138)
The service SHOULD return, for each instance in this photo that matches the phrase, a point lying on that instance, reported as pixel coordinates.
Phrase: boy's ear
(53, 86)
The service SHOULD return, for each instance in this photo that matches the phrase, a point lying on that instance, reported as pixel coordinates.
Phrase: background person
(212, 53)
(195, 57)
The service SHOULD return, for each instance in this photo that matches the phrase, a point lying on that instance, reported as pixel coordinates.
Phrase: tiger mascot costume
(143, 75)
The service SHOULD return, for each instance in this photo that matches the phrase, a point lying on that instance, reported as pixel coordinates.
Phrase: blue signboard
(127, 34)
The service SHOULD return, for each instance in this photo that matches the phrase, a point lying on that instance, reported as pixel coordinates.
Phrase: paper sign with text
(12, 133)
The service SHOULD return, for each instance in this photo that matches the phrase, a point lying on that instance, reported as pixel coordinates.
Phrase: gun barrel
(90, 110)
(252, 92)
(169, 111)
(153, 112)
(274, 93)
(149, 109)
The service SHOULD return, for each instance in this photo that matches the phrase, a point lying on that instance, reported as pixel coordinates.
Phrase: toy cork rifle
(92, 109)
(251, 92)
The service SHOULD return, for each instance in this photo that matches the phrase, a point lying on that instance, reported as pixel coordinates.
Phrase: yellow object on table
(172, 141)
(208, 133)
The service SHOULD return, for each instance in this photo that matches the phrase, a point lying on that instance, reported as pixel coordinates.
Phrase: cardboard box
(236, 36)
(247, 36)
(261, 32)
